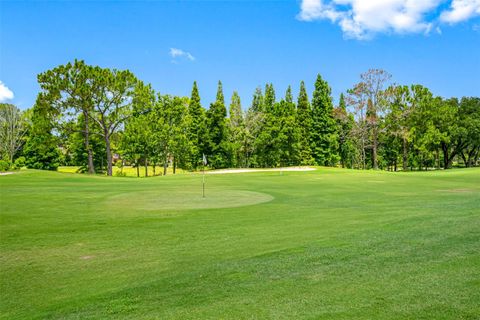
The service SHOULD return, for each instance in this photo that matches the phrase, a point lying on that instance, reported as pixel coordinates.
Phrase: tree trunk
(109, 153)
(464, 158)
(437, 160)
(165, 168)
(154, 167)
(137, 164)
(374, 151)
(146, 166)
(91, 167)
(404, 155)
(174, 165)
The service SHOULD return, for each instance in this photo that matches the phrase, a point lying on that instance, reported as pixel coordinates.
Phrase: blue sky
(243, 43)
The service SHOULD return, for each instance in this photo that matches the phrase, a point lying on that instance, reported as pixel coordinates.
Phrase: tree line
(96, 118)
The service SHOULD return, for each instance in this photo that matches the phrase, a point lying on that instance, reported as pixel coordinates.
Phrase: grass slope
(328, 244)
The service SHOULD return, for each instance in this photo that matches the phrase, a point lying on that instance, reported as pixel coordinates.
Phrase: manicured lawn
(325, 244)
(128, 171)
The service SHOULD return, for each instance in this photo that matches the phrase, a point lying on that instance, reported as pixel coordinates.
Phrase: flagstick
(203, 181)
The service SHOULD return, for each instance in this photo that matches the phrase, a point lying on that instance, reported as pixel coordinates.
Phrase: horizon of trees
(98, 117)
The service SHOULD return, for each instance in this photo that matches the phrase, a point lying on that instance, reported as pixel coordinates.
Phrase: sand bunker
(224, 171)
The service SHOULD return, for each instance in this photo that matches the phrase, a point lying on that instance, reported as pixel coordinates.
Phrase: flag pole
(203, 182)
(204, 162)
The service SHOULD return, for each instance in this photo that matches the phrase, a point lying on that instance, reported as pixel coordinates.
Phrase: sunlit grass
(325, 244)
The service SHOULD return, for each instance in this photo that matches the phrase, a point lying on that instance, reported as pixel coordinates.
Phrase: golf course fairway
(323, 244)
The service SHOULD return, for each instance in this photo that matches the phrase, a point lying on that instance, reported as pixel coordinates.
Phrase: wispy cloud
(461, 10)
(362, 19)
(179, 53)
(5, 93)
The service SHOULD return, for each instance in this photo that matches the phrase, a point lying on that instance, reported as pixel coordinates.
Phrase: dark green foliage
(197, 130)
(345, 123)
(218, 147)
(90, 116)
(236, 124)
(323, 138)
(41, 148)
(304, 124)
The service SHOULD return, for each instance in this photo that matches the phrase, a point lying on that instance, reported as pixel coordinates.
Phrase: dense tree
(236, 124)
(218, 146)
(372, 127)
(41, 148)
(304, 123)
(323, 137)
(469, 118)
(114, 92)
(13, 127)
(369, 98)
(69, 89)
(196, 127)
(345, 123)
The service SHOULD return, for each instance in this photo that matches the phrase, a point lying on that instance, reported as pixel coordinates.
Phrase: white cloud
(461, 10)
(5, 93)
(362, 19)
(178, 53)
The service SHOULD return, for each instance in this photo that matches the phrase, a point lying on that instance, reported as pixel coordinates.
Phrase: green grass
(327, 244)
(128, 171)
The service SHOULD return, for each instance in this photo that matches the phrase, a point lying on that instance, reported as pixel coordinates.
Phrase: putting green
(180, 199)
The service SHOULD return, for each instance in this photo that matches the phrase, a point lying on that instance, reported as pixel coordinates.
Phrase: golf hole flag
(204, 160)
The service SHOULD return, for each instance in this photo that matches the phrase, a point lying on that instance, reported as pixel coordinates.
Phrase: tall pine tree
(236, 130)
(218, 146)
(196, 127)
(323, 137)
(304, 123)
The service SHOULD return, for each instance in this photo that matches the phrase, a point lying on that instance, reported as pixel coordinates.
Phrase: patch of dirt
(6, 173)
(87, 257)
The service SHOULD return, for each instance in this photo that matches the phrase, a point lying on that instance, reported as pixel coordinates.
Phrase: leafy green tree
(218, 145)
(269, 99)
(180, 146)
(236, 125)
(69, 89)
(304, 123)
(323, 138)
(345, 123)
(289, 134)
(114, 91)
(196, 127)
(41, 151)
(266, 142)
(258, 104)
(13, 127)
(469, 117)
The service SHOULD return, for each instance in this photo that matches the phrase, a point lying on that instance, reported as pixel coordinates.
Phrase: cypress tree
(236, 130)
(235, 111)
(345, 122)
(196, 126)
(258, 101)
(269, 99)
(218, 149)
(220, 96)
(323, 137)
(304, 122)
(289, 104)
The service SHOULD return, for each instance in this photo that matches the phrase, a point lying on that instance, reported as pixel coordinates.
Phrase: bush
(119, 164)
(120, 174)
(20, 162)
(4, 165)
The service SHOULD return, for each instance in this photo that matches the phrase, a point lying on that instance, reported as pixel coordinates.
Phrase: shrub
(120, 174)
(20, 162)
(4, 165)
